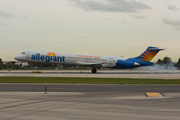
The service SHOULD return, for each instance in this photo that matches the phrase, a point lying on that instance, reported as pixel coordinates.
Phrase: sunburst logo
(51, 54)
(148, 55)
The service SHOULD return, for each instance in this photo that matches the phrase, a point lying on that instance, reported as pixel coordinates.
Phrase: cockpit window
(23, 52)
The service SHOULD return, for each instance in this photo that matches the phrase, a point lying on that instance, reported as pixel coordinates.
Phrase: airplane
(93, 61)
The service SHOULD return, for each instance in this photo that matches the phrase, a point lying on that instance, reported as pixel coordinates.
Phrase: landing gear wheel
(94, 70)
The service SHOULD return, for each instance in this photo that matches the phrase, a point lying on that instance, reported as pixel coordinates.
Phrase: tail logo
(148, 55)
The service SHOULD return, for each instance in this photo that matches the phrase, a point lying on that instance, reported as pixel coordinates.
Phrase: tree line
(168, 60)
(11, 65)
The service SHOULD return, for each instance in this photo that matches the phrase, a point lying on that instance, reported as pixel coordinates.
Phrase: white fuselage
(68, 58)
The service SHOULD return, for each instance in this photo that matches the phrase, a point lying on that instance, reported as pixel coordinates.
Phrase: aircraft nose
(16, 57)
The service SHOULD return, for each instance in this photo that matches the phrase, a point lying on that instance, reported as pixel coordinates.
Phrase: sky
(99, 27)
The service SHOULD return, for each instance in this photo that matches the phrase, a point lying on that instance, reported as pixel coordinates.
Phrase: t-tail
(149, 54)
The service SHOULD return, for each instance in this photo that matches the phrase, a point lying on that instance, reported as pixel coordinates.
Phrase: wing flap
(90, 64)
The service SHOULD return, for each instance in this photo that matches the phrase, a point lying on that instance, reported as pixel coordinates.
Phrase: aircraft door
(27, 54)
(114, 62)
(110, 61)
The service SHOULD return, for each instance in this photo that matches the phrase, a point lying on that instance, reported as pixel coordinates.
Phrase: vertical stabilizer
(149, 54)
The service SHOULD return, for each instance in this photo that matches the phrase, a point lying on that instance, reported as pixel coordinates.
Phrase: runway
(69, 102)
(17, 87)
(76, 101)
(150, 74)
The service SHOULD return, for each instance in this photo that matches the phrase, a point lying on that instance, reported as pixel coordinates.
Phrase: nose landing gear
(94, 70)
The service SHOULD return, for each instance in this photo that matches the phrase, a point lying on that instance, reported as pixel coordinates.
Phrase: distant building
(5, 62)
(17, 63)
(23, 63)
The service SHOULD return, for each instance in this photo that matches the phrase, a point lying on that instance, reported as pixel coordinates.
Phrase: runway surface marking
(154, 94)
(36, 71)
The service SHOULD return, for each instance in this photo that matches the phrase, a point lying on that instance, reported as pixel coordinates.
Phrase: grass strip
(79, 80)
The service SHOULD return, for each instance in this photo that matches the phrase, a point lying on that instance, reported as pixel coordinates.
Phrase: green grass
(77, 80)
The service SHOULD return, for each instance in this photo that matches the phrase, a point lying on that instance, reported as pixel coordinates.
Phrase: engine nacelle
(127, 63)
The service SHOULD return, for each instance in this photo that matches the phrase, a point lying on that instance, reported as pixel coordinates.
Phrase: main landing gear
(94, 70)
